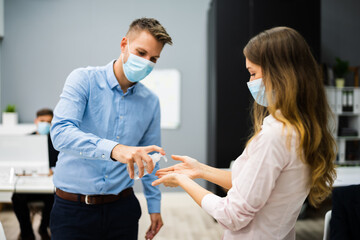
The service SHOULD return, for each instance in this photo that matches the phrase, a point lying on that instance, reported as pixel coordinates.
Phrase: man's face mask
(43, 128)
(257, 90)
(136, 68)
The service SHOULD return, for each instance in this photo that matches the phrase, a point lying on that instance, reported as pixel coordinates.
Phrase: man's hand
(156, 224)
(139, 155)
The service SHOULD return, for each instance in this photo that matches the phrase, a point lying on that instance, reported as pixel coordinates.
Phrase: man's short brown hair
(153, 27)
(44, 112)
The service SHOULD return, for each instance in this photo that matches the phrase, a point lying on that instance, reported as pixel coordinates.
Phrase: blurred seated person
(20, 200)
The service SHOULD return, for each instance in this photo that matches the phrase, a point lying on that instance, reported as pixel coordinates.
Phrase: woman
(290, 154)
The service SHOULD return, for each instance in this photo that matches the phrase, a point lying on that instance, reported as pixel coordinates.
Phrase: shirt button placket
(121, 117)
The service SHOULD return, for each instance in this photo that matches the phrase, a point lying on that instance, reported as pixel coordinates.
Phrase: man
(105, 122)
(20, 200)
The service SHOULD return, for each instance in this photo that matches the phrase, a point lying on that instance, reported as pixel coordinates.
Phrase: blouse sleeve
(265, 157)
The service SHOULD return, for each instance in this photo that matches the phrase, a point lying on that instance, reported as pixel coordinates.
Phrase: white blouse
(269, 186)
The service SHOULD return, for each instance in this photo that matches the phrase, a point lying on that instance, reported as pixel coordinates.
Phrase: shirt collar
(113, 82)
(133, 88)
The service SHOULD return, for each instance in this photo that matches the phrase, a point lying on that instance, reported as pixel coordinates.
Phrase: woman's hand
(170, 180)
(190, 186)
(189, 167)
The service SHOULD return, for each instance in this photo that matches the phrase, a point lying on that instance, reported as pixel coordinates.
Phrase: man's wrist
(113, 153)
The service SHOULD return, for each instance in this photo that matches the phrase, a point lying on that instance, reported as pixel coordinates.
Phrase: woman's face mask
(136, 68)
(43, 128)
(257, 90)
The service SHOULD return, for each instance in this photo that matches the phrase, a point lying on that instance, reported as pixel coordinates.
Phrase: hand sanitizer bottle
(155, 158)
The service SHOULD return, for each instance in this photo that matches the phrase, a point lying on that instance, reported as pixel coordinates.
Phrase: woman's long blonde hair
(293, 85)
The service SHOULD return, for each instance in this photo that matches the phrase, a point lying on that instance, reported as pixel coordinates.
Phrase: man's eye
(141, 53)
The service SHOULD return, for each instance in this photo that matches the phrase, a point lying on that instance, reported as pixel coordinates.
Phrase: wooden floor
(183, 220)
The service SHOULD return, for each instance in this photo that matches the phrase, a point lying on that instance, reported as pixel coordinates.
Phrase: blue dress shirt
(92, 116)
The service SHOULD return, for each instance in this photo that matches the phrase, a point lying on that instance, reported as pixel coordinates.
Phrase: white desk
(26, 184)
(6, 191)
(347, 176)
(31, 158)
(38, 184)
(18, 129)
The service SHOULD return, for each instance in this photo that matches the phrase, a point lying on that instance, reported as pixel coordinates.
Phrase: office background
(44, 40)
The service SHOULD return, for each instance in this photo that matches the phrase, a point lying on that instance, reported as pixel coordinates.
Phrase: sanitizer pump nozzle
(155, 158)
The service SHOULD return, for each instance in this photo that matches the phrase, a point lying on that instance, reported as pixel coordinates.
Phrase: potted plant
(340, 69)
(10, 116)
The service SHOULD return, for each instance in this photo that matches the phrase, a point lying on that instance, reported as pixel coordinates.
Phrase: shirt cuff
(209, 202)
(104, 148)
(154, 206)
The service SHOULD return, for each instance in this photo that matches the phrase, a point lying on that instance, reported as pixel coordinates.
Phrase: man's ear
(123, 44)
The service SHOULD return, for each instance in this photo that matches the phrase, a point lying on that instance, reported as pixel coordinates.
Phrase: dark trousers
(76, 220)
(345, 215)
(20, 204)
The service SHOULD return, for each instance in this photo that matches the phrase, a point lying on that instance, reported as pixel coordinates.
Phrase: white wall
(46, 39)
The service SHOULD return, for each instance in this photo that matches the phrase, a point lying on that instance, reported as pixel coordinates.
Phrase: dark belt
(93, 199)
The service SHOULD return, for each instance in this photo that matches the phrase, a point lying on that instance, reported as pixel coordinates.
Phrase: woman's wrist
(183, 180)
(202, 170)
(192, 188)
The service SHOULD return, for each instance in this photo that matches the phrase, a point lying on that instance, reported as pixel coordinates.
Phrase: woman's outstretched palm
(189, 166)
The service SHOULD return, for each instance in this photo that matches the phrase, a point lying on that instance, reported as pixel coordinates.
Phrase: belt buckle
(87, 200)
